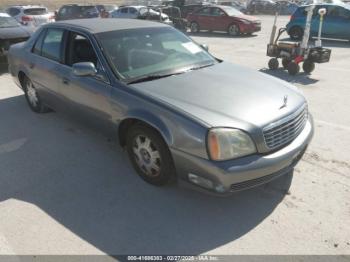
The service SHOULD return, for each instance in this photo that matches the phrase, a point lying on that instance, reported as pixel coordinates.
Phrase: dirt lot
(65, 189)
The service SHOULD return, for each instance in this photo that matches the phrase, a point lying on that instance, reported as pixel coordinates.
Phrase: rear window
(35, 11)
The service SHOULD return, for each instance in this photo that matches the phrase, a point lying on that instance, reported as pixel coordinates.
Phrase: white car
(31, 15)
(141, 12)
(128, 12)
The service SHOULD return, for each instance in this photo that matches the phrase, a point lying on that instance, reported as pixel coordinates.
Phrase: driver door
(88, 96)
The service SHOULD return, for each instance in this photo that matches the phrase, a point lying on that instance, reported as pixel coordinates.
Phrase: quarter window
(39, 43)
(51, 47)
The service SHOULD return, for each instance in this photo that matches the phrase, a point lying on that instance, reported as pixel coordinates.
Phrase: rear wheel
(150, 155)
(194, 27)
(296, 33)
(308, 66)
(293, 68)
(32, 97)
(233, 30)
(273, 63)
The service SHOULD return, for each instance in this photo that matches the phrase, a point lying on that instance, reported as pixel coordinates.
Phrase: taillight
(292, 17)
(26, 18)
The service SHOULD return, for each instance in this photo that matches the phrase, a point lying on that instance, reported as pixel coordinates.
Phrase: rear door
(46, 63)
(345, 22)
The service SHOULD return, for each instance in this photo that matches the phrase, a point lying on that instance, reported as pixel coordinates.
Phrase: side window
(39, 43)
(51, 47)
(63, 11)
(80, 49)
(132, 11)
(124, 10)
(204, 11)
(343, 13)
(333, 11)
(217, 12)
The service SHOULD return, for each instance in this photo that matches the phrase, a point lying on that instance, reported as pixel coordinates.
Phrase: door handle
(65, 81)
(31, 65)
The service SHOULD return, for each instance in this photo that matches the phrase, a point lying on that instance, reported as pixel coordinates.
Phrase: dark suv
(68, 12)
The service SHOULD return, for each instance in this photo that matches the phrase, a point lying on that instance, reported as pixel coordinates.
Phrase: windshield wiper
(200, 67)
(151, 77)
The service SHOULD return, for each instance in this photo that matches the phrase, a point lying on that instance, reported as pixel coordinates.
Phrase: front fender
(152, 120)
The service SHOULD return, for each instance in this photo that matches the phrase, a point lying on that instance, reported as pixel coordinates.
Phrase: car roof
(26, 6)
(327, 4)
(98, 25)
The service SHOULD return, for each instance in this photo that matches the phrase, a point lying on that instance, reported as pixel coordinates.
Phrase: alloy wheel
(32, 94)
(147, 156)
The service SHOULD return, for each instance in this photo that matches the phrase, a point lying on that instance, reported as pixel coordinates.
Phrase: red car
(223, 18)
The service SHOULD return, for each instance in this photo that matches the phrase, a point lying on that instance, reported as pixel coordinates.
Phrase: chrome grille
(285, 130)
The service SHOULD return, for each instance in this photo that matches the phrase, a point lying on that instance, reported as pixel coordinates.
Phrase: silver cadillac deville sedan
(181, 114)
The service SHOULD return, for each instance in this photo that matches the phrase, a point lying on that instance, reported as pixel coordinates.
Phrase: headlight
(228, 143)
(245, 22)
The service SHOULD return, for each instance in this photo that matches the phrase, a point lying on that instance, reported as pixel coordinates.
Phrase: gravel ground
(65, 189)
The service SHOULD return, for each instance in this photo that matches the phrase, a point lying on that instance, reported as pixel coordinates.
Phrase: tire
(233, 30)
(296, 33)
(194, 27)
(285, 63)
(273, 63)
(34, 101)
(150, 155)
(308, 66)
(293, 68)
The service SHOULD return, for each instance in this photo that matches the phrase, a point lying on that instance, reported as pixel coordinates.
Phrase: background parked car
(140, 12)
(187, 9)
(261, 7)
(11, 32)
(223, 18)
(32, 15)
(106, 10)
(336, 22)
(235, 4)
(286, 7)
(67, 12)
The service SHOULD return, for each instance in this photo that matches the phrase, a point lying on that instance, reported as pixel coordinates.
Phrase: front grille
(285, 130)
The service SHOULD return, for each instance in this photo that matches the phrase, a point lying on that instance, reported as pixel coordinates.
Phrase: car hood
(226, 95)
(247, 17)
(14, 32)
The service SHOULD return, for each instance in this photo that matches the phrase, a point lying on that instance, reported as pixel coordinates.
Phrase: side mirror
(205, 47)
(84, 69)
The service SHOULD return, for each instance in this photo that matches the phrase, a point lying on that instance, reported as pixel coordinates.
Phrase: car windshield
(230, 11)
(8, 22)
(138, 53)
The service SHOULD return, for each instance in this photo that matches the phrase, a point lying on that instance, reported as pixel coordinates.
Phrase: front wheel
(150, 155)
(308, 66)
(32, 97)
(273, 63)
(233, 30)
(293, 68)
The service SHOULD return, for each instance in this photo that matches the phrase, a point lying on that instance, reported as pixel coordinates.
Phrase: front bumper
(246, 172)
(250, 28)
